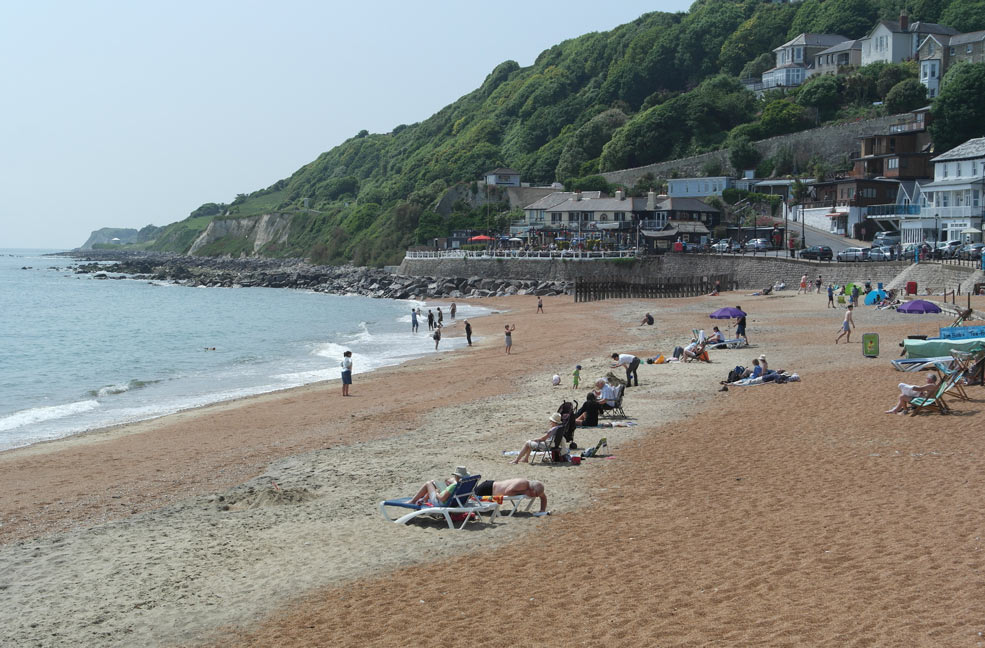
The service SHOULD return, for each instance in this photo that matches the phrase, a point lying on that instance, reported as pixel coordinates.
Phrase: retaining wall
(750, 272)
(830, 143)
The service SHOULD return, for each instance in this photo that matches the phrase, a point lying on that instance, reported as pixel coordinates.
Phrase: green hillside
(660, 87)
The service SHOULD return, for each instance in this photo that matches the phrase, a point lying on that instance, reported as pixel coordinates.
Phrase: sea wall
(749, 271)
(830, 143)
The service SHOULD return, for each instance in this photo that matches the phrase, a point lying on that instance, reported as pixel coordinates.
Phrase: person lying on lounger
(909, 392)
(516, 486)
(437, 494)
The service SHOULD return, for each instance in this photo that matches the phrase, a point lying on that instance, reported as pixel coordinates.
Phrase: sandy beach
(782, 515)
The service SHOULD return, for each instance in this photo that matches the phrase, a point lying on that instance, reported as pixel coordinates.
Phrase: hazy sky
(123, 114)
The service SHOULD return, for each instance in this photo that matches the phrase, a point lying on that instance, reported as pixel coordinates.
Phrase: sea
(79, 353)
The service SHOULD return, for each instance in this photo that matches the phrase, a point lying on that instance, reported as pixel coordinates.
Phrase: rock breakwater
(296, 273)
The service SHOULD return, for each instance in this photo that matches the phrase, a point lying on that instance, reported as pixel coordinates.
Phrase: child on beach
(576, 376)
(846, 326)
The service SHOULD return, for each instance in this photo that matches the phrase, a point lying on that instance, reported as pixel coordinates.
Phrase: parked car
(971, 252)
(757, 245)
(887, 253)
(726, 245)
(818, 252)
(949, 248)
(854, 254)
(883, 239)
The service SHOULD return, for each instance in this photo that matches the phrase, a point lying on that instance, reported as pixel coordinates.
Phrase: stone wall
(830, 143)
(750, 272)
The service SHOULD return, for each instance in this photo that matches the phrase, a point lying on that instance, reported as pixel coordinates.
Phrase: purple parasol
(919, 306)
(727, 313)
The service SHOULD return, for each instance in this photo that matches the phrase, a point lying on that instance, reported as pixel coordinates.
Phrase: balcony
(891, 210)
(964, 211)
(908, 127)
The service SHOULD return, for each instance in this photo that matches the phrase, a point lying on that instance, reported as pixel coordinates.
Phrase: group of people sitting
(758, 373)
(604, 397)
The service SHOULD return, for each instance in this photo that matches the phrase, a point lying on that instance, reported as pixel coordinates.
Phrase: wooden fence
(592, 290)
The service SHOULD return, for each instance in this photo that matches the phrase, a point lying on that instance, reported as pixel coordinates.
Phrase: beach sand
(794, 514)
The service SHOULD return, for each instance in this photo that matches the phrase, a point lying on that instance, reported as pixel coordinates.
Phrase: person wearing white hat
(541, 444)
(435, 494)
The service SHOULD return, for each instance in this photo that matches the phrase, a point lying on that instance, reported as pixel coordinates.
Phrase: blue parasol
(875, 296)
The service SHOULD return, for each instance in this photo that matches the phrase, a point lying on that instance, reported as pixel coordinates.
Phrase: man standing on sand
(453, 309)
(817, 285)
(846, 326)
(346, 372)
(517, 486)
(831, 296)
(441, 317)
(468, 332)
(413, 320)
(540, 305)
(803, 284)
(631, 363)
(740, 326)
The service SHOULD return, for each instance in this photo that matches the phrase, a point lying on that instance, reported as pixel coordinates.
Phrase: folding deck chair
(616, 409)
(918, 405)
(461, 501)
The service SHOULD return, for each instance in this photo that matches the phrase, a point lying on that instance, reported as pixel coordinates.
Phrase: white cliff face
(258, 231)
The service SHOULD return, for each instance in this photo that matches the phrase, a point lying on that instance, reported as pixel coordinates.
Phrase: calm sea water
(78, 353)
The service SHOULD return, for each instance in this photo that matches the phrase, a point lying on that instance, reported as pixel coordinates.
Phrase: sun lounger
(918, 364)
(514, 500)
(461, 501)
(734, 343)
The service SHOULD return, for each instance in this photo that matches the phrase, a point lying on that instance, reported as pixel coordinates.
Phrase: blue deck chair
(461, 501)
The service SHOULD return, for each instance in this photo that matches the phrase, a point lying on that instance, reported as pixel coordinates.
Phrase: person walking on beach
(631, 362)
(854, 295)
(803, 284)
(346, 372)
(453, 309)
(441, 317)
(740, 326)
(437, 336)
(575, 377)
(430, 320)
(831, 296)
(468, 332)
(540, 305)
(846, 326)
(509, 337)
(413, 320)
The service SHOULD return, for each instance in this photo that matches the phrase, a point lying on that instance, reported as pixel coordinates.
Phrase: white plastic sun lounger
(460, 502)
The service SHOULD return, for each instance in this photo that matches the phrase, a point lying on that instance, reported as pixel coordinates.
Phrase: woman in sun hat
(437, 494)
(541, 444)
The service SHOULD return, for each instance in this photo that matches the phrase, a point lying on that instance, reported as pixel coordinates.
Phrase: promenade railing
(569, 255)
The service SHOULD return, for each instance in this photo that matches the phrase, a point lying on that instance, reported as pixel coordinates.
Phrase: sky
(124, 114)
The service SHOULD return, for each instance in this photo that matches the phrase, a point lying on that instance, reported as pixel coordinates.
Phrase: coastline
(315, 554)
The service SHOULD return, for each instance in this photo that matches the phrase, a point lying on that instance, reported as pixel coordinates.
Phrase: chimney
(577, 195)
(904, 20)
(651, 201)
(619, 195)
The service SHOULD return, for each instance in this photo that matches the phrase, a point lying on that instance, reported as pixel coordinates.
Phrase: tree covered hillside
(660, 87)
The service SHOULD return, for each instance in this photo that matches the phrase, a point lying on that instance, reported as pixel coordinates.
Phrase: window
(967, 49)
(930, 49)
(945, 169)
(975, 198)
(957, 169)
(951, 52)
(974, 167)
(555, 217)
(945, 198)
(894, 163)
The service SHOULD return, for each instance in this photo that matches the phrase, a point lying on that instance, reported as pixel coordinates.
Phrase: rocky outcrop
(295, 273)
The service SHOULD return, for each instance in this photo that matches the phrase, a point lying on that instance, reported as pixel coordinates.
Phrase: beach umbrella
(727, 313)
(875, 296)
(919, 306)
(481, 237)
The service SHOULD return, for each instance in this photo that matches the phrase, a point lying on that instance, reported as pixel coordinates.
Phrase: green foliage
(965, 15)
(755, 39)
(781, 117)
(587, 142)
(850, 18)
(711, 168)
(823, 93)
(765, 168)
(958, 111)
(743, 154)
(756, 67)
(905, 96)
(732, 196)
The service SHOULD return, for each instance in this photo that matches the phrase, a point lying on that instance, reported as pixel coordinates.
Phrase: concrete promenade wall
(830, 143)
(750, 272)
